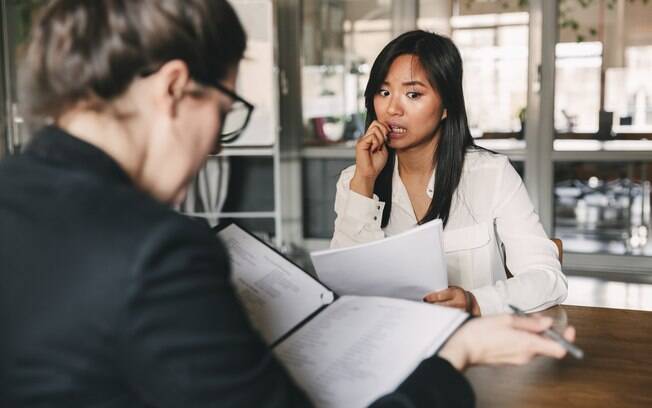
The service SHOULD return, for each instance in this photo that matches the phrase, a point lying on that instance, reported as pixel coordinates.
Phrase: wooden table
(616, 370)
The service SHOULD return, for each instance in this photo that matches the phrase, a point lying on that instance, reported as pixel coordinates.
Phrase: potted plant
(522, 113)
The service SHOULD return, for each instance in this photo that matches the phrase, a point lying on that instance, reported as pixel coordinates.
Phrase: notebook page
(360, 348)
(276, 294)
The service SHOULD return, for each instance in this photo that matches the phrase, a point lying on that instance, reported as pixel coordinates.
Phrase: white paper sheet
(407, 265)
(276, 294)
(360, 348)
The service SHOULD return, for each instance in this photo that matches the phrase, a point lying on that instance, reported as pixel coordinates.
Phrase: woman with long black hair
(418, 162)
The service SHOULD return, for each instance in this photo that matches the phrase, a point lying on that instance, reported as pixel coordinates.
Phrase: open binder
(344, 351)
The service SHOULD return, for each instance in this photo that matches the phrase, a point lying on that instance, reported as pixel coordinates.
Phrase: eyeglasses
(234, 121)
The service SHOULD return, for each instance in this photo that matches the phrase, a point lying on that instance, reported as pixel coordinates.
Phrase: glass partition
(604, 207)
(603, 123)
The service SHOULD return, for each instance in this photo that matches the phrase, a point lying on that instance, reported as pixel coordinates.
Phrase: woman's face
(408, 104)
(198, 128)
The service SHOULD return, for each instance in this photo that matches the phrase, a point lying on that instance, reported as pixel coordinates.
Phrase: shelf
(602, 156)
(565, 150)
(610, 150)
(610, 264)
(264, 151)
(250, 214)
(342, 151)
(513, 148)
(592, 145)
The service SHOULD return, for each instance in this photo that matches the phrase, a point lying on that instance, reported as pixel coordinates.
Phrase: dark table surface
(616, 370)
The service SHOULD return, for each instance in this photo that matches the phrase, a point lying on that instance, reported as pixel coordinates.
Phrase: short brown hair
(81, 49)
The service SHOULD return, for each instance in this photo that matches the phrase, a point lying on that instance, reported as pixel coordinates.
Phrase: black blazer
(110, 299)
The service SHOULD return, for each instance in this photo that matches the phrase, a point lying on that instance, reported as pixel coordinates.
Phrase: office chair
(560, 248)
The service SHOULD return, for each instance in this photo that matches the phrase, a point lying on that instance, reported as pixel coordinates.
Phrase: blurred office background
(562, 87)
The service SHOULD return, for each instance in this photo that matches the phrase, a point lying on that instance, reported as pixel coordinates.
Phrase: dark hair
(442, 62)
(92, 50)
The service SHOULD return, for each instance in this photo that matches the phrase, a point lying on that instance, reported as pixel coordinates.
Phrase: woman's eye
(413, 95)
(383, 92)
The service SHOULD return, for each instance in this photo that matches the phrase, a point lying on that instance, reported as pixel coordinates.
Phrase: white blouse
(491, 219)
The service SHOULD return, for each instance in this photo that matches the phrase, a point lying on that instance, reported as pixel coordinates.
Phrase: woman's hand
(370, 157)
(455, 296)
(504, 339)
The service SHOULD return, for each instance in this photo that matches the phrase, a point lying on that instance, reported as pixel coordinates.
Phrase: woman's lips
(396, 131)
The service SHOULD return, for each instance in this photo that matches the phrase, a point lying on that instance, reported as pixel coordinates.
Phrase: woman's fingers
(535, 344)
(537, 323)
(569, 333)
(546, 347)
(453, 303)
(370, 158)
(440, 296)
(384, 129)
(375, 138)
(373, 141)
(453, 296)
(380, 132)
(379, 139)
(532, 324)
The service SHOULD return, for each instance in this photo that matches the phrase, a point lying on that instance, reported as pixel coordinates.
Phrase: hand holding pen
(553, 335)
(502, 339)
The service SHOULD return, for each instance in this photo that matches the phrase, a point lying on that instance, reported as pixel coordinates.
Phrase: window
(341, 41)
(494, 49)
(603, 123)
(577, 88)
(628, 93)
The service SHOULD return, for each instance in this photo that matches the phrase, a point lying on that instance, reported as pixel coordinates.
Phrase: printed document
(407, 265)
(344, 352)
(276, 294)
(361, 348)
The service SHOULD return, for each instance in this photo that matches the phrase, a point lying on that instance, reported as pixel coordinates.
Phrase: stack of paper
(407, 265)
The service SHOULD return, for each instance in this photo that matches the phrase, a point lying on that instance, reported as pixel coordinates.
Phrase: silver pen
(553, 335)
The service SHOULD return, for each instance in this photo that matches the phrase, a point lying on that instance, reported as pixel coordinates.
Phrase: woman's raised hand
(504, 339)
(370, 157)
